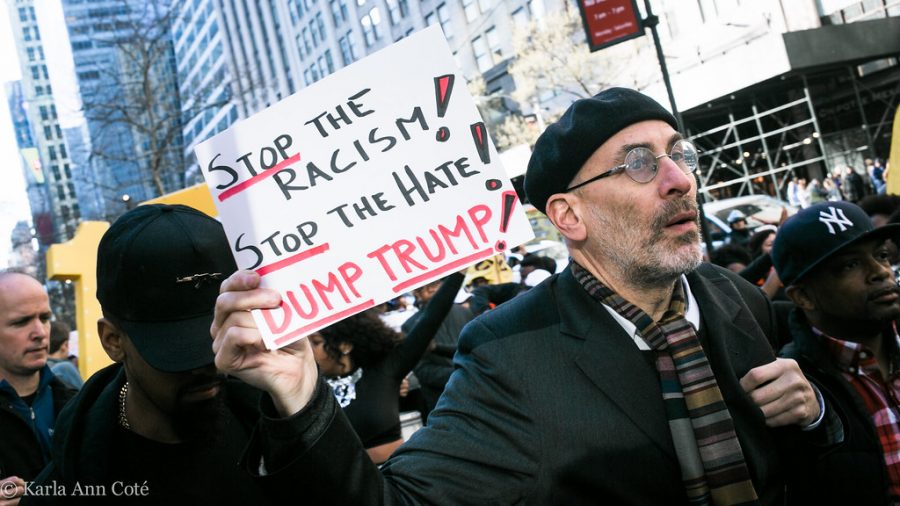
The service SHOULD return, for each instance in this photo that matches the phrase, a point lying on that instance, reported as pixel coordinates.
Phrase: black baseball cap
(159, 268)
(814, 234)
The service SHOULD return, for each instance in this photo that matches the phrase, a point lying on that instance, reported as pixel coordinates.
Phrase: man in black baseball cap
(161, 416)
(836, 268)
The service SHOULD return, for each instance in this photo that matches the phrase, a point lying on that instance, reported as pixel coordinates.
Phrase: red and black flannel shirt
(881, 397)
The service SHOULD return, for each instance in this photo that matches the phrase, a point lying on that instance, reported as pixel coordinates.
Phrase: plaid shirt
(881, 398)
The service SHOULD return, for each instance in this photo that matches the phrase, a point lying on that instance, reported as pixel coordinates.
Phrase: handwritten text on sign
(377, 179)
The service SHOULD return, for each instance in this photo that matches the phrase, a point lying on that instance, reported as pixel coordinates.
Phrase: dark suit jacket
(539, 382)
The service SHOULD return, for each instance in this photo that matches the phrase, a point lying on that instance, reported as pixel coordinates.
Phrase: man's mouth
(683, 221)
(202, 391)
(885, 295)
(42, 349)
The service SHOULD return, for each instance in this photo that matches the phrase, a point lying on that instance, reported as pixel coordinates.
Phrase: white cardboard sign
(373, 181)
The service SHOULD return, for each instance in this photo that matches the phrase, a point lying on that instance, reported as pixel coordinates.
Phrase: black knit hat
(564, 147)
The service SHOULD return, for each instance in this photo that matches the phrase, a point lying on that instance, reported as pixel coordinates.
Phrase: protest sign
(373, 181)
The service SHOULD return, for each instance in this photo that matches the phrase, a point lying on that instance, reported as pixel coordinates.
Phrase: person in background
(365, 362)
(31, 396)
(58, 360)
(433, 370)
(161, 416)
(852, 185)
(836, 266)
(739, 234)
(879, 208)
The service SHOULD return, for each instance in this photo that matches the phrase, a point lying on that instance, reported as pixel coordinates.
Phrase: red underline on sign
(234, 190)
(455, 265)
(325, 321)
(303, 255)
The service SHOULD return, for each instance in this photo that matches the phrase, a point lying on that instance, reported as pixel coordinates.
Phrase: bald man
(30, 395)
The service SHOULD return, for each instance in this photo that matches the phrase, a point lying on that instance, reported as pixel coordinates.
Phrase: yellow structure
(76, 261)
(196, 196)
(893, 179)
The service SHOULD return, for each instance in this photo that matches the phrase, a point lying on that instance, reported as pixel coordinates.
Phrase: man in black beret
(836, 268)
(657, 366)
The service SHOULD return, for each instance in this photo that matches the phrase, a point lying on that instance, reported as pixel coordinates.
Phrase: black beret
(566, 145)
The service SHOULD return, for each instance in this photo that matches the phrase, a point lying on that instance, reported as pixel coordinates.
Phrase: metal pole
(650, 22)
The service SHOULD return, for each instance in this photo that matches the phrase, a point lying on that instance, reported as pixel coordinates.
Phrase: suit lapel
(734, 343)
(613, 363)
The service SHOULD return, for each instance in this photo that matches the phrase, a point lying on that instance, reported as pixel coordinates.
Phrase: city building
(125, 69)
(771, 90)
(233, 58)
(44, 152)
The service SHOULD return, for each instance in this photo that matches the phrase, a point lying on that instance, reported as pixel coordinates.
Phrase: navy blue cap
(814, 234)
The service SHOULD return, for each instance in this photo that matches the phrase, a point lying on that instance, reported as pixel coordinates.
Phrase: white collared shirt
(691, 314)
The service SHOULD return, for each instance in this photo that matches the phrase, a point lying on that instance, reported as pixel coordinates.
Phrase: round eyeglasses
(641, 164)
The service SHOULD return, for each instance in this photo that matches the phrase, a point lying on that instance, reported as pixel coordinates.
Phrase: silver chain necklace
(123, 419)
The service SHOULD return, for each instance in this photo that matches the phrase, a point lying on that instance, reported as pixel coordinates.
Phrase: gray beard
(641, 261)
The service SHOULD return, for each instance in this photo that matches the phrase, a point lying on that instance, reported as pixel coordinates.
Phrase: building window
(521, 16)
(329, 62)
(484, 5)
(30, 53)
(43, 110)
(306, 39)
(470, 9)
(62, 151)
(397, 10)
(48, 133)
(482, 56)
(348, 52)
(338, 11)
(71, 189)
(443, 14)
(52, 152)
(370, 22)
(493, 41)
(67, 171)
(61, 192)
(320, 24)
(35, 72)
(55, 170)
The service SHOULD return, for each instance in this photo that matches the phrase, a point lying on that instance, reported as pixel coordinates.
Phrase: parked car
(759, 210)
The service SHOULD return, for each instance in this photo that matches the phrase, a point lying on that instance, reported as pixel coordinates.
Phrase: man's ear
(799, 295)
(564, 212)
(111, 339)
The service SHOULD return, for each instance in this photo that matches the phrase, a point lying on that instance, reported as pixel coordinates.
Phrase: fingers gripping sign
(783, 393)
(288, 374)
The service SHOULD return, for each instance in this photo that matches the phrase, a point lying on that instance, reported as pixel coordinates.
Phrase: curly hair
(371, 338)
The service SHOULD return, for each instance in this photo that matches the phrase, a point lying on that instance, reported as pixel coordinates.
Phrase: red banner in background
(608, 22)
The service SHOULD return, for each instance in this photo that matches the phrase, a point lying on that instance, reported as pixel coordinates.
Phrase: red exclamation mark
(508, 201)
(443, 88)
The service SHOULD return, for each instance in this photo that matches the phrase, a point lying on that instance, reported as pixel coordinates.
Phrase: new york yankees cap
(814, 234)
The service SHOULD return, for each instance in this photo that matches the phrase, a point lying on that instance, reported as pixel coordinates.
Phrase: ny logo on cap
(836, 217)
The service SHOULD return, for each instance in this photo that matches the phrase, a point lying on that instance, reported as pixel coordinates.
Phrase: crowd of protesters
(637, 374)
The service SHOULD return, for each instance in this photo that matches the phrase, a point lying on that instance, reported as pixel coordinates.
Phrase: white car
(759, 210)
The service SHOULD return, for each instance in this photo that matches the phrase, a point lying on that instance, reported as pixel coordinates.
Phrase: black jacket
(20, 452)
(540, 382)
(853, 472)
(82, 451)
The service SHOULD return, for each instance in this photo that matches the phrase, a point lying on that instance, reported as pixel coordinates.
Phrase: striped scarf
(712, 463)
